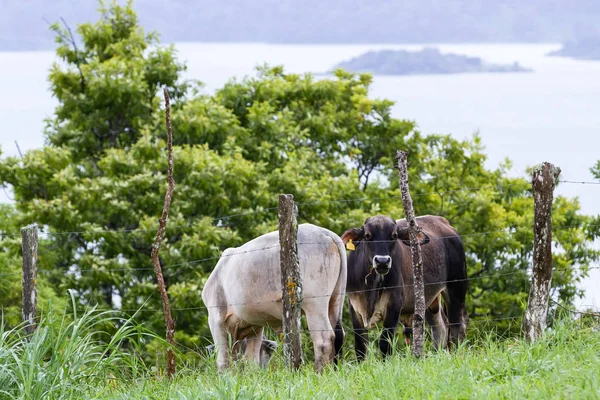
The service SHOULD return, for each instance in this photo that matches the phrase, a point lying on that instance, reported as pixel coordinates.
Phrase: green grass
(66, 360)
(564, 364)
(68, 356)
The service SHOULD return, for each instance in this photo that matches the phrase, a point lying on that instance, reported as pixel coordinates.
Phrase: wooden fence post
(29, 245)
(543, 180)
(162, 226)
(291, 281)
(415, 251)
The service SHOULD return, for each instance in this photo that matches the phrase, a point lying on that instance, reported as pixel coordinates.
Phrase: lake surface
(551, 114)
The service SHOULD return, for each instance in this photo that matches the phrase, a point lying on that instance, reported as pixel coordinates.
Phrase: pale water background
(552, 114)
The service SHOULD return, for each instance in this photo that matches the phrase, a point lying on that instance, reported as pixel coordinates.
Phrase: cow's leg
(361, 335)
(266, 351)
(336, 324)
(407, 327)
(322, 334)
(439, 331)
(457, 314)
(390, 323)
(238, 348)
(219, 334)
(436, 319)
(339, 341)
(336, 306)
(253, 346)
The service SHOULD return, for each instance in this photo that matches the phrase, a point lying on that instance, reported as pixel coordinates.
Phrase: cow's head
(377, 238)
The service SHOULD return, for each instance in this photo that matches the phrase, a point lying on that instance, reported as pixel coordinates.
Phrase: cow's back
(247, 279)
(443, 258)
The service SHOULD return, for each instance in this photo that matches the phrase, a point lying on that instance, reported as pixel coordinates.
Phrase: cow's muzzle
(382, 264)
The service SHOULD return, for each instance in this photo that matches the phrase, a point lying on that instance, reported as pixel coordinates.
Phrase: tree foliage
(96, 188)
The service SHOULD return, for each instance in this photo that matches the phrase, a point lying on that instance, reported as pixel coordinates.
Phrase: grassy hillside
(22, 24)
(70, 360)
(566, 364)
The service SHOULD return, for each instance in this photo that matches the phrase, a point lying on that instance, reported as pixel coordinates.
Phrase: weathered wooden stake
(162, 226)
(291, 281)
(543, 180)
(415, 251)
(29, 245)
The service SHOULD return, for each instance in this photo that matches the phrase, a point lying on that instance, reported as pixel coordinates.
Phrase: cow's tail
(336, 303)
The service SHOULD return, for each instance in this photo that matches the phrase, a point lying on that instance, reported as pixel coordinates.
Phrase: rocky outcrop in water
(426, 61)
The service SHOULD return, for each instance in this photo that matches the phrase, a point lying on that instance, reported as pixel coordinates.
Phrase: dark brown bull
(380, 279)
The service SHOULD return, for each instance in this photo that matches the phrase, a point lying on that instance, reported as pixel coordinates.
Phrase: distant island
(585, 49)
(426, 61)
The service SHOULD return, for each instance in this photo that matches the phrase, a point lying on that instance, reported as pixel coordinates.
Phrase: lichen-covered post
(543, 180)
(29, 245)
(162, 226)
(415, 251)
(291, 281)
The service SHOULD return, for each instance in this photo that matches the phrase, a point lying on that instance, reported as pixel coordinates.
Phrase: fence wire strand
(498, 187)
(483, 276)
(580, 182)
(213, 258)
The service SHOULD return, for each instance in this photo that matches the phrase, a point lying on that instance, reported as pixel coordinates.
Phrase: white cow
(243, 294)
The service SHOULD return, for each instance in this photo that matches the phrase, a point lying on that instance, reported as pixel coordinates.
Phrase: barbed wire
(485, 318)
(201, 351)
(498, 187)
(142, 230)
(593, 314)
(479, 277)
(580, 182)
(213, 258)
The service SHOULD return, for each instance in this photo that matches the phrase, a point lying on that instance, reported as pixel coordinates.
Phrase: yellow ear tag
(350, 245)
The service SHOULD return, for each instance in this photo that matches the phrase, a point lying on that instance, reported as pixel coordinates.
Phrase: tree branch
(162, 226)
(71, 39)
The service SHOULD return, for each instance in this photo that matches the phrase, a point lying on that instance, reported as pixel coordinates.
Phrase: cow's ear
(354, 234)
(405, 238)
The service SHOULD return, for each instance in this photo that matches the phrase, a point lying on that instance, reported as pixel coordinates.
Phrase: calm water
(551, 114)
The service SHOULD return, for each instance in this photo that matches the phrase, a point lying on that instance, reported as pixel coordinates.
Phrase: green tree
(107, 85)
(97, 187)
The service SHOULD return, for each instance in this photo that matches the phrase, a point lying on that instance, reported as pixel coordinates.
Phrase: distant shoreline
(26, 23)
(52, 47)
